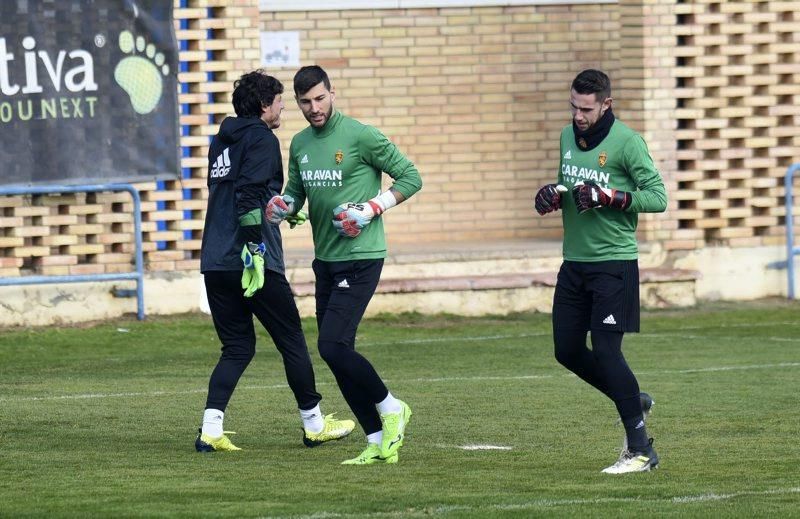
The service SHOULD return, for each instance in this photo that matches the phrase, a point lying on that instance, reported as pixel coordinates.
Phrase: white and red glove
(279, 208)
(589, 195)
(349, 218)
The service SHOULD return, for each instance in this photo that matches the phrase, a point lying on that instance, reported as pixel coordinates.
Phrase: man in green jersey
(611, 175)
(336, 164)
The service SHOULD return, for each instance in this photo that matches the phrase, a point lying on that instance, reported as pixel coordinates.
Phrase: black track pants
(275, 308)
(343, 291)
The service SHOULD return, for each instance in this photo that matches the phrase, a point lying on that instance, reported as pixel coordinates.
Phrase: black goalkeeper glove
(548, 199)
(588, 195)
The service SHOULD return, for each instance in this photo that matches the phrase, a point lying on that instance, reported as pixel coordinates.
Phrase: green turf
(100, 422)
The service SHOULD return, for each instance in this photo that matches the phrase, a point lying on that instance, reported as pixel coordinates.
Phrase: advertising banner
(88, 91)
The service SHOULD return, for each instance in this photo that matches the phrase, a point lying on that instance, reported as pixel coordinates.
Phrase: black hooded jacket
(245, 170)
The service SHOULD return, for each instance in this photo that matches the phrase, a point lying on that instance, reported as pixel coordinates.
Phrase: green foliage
(100, 422)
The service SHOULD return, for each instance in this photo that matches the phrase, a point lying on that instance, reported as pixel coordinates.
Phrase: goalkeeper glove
(349, 218)
(253, 274)
(548, 199)
(279, 208)
(589, 195)
(297, 219)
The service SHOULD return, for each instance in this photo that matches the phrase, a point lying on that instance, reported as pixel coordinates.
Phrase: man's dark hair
(253, 91)
(592, 81)
(309, 77)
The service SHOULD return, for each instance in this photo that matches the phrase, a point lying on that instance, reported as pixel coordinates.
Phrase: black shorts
(602, 296)
(343, 289)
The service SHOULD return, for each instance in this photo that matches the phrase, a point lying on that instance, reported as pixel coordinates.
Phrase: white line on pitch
(427, 511)
(475, 447)
(484, 447)
(729, 368)
(671, 334)
(481, 378)
(84, 396)
(455, 339)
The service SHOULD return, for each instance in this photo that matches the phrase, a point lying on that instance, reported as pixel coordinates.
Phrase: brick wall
(477, 98)
(738, 119)
(646, 89)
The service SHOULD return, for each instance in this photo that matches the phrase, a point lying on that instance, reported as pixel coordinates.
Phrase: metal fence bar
(138, 275)
(791, 250)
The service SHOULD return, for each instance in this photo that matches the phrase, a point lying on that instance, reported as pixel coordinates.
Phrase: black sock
(636, 433)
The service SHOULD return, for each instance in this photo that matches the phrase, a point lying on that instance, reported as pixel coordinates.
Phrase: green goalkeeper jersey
(343, 162)
(621, 161)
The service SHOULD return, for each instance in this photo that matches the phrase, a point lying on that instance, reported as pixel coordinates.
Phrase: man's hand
(296, 219)
(279, 208)
(548, 199)
(253, 274)
(349, 218)
(589, 195)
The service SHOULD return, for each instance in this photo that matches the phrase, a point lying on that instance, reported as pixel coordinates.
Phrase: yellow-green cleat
(394, 430)
(332, 429)
(372, 454)
(206, 443)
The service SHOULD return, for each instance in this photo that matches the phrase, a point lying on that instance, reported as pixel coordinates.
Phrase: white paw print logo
(140, 76)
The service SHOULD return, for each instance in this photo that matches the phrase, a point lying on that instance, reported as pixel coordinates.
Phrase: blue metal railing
(138, 275)
(791, 250)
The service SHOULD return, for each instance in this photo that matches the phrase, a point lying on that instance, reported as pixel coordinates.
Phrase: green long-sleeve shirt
(621, 161)
(342, 162)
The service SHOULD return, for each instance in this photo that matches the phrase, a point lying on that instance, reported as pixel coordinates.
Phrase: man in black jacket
(242, 264)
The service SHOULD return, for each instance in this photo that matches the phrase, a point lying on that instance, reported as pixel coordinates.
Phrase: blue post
(791, 250)
(138, 275)
(137, 234)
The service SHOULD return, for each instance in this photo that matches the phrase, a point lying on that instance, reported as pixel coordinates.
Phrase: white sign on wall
(280, 49)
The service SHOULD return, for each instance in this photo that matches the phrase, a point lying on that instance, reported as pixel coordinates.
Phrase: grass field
(100, 421)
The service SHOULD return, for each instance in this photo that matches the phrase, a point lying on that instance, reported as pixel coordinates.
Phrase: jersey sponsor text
(580, 173)
(321, 174)
(321, 177)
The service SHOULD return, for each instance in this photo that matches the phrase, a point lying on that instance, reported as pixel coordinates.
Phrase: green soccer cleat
(206, 443)
(394, 428)
(635, 461)
(372, 454)
(332, 429)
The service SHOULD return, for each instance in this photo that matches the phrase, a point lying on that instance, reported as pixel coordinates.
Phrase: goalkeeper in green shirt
(336, 165)
(610, 175)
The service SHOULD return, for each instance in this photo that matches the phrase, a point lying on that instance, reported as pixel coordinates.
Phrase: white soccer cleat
(632, 461)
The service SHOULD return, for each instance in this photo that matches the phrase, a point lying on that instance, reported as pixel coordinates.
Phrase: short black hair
(592, 81)
(253, 91)
(308, 77)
